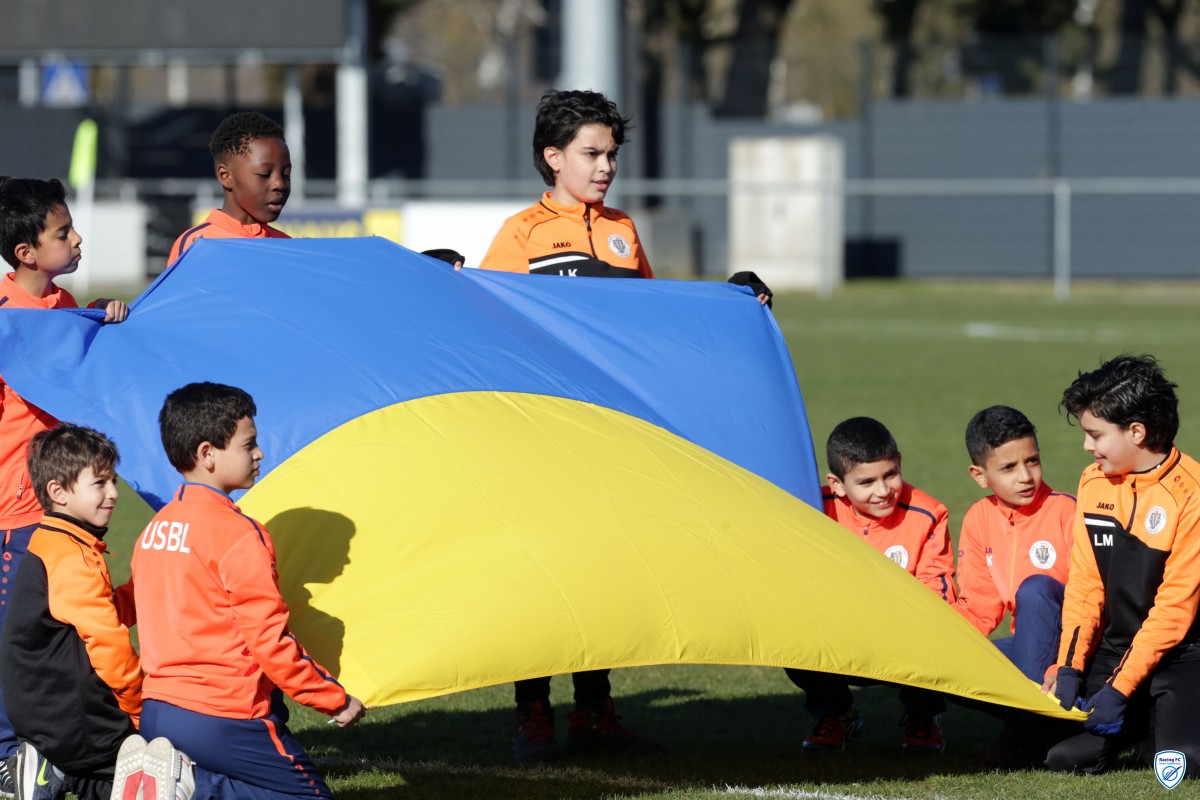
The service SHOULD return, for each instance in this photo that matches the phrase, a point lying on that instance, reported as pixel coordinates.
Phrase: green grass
(920, 357)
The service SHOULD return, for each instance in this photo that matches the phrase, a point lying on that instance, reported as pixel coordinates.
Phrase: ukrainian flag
(477, 477)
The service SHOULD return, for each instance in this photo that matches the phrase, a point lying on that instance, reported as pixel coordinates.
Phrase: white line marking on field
(1012, 333)
(798, 794)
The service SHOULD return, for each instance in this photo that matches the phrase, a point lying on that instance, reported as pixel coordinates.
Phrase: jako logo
(1169, 767)
(1105, 506)
(561, 245)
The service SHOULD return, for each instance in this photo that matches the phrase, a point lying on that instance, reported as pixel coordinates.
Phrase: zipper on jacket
(587, 221)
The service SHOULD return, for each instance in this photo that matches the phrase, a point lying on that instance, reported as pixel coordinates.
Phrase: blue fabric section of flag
(322, 331)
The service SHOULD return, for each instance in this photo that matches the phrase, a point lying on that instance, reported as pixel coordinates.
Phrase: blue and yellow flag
(477, 477)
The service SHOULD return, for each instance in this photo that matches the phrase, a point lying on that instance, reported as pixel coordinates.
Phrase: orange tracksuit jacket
(915, 536)
(20, 420)
(72, 680)
(583, 240)
(212, 625)
(219, 225)
(999, 547)
(1135, 569)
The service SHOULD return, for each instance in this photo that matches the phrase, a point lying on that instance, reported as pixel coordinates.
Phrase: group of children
(1103, 597)
(1103, 588)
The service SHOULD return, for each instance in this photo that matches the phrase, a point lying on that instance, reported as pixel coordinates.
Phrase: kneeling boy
(868, 496)
(72, 681)
(212, 625)
(1130, 649)
(1014, 549)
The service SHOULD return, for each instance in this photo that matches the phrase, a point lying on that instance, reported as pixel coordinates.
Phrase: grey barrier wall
(964, 235)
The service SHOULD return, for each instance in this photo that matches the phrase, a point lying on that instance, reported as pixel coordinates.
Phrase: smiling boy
(1130, 649)
(869, 497)
(254, 167)
(72, 679)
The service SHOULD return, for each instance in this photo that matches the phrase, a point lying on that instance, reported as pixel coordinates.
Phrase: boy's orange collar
(570, 210)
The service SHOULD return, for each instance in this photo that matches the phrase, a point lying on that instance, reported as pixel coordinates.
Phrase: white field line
(796, 794)
(980, 330)
(622, 783)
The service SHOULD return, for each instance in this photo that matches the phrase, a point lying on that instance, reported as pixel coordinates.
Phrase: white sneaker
(127, 779)
(37, 778)
(167, 772)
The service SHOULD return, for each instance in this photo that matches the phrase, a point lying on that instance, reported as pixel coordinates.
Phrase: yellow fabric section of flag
(465, 540)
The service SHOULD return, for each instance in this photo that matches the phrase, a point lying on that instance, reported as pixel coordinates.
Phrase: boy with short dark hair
(213, 628)
(254, 167)
(38, 239)
(1130, 649)
(1014, 556)
(1014, 547)
(570, 231)
(870, 498)
(72, 678)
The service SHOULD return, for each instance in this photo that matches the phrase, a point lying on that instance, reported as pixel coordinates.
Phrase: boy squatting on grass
(571, 233)
(870, 498)
(73, 679)
(39, 241)
(216, 649)
(1130, 649)
(1013, 556)
(254, 167)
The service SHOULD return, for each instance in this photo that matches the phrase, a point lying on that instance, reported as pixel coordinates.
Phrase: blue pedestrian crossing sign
(65, 84)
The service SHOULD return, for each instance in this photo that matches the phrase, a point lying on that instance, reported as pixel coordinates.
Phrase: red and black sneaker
(832, 732)
(534, 737)
(601, 729)
(922, 735)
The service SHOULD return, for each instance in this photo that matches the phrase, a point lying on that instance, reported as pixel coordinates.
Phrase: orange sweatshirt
(915, 536)
(212, 625)
(999, 547)
(583, 240)
(20, 420)
(72, 680)
(1133, 589)
(220, 225)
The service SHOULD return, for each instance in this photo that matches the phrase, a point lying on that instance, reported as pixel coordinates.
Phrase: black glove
(756, 285)
(1108, 711)
(451, 257)
(1067, 687)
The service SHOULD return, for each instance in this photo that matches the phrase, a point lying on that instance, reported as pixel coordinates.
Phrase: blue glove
(1067, 687)
(1107, 708)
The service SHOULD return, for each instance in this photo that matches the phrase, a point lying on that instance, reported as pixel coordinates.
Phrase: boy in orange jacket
(213, 627)
(1014, 556)
(254, 167)
(1130, 649)
(73, 679)
(39, 241)
(870, 498)
(1015, 546)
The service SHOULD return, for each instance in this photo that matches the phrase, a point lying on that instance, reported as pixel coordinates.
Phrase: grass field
(920, 357)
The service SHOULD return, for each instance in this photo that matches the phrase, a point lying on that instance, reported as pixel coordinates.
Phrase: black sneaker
(37, 778)
(601, 729)
(8, 782)
(534, 737)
